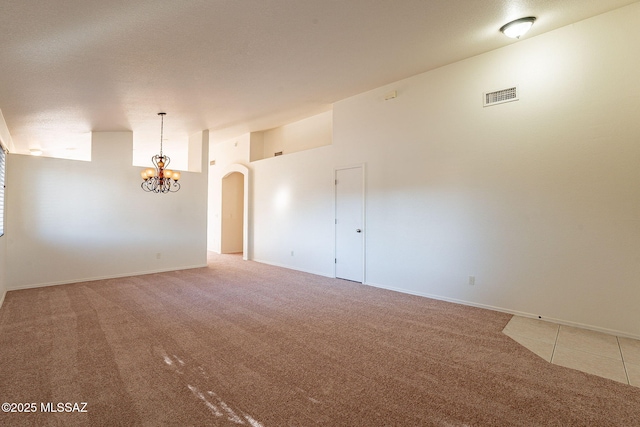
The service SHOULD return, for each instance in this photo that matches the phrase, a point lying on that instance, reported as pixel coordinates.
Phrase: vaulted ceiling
(69, 67)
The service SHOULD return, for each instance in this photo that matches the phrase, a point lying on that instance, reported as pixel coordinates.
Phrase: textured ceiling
(69, 67)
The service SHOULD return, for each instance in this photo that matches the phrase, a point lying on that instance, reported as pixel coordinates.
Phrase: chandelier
(160, 179)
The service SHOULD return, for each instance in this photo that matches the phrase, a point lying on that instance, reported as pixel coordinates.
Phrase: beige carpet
(241, 343)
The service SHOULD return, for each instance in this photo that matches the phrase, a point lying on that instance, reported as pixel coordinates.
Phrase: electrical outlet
(291, 253)
(472, 280)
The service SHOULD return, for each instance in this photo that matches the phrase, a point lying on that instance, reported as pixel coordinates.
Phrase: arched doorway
(234, 211)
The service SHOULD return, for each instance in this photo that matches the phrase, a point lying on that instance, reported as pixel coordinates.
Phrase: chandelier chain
(161, 130)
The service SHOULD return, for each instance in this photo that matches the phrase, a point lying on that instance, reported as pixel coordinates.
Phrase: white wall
(3, 267)
(3, 251)
(71, 221)
(6, 142)
(293, 210)
(538, 198)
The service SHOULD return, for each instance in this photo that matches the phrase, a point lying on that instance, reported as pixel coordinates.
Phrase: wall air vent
(279, 153)
(501, 96)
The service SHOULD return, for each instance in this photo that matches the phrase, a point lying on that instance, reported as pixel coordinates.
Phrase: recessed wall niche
(312, 132)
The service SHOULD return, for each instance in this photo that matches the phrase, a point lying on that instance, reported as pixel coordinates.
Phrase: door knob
(358, 231)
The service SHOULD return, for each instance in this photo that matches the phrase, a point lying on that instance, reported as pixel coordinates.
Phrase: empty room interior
(352, 213)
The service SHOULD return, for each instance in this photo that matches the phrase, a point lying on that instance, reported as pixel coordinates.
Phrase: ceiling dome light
(518, 28)
(35, 152)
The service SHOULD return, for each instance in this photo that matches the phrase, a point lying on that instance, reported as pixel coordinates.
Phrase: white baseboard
(509, 311)
(289, 267)
(92, 279)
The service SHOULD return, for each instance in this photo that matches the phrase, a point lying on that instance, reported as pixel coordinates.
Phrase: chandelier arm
(147, 185)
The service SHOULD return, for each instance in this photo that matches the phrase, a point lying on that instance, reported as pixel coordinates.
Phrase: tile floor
(596, 353)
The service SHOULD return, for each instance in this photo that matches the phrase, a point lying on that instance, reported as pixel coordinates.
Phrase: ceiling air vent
(501, 96)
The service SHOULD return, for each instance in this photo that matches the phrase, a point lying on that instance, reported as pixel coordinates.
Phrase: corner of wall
(198, 151)
(3, 275)
(5, 136)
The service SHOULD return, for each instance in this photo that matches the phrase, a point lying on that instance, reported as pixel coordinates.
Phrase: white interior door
(349, 224)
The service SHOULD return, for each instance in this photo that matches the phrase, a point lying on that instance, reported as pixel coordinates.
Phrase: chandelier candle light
(160, 179)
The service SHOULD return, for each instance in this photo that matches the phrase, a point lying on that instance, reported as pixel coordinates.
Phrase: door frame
(363, 168)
